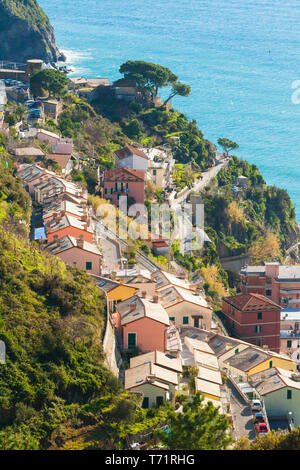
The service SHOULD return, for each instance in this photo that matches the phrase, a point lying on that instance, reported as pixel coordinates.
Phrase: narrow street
(241, 414)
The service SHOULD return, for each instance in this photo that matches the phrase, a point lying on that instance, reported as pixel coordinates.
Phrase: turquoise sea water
(241, 58)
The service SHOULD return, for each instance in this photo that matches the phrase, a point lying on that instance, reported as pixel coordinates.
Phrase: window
(270, 364)
(105, 190)
(257, 328)
(259, 316)
(236, 351)
(88, 265)
(131, 340)
(289, 343)
(172, 319)
(159, 401)
(268, 292)
(289, 394)
(145, 402)
(185, 320)
(154, 172)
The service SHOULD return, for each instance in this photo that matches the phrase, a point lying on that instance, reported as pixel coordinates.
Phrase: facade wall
(283, 293)
(150, 334)
(135, 190)
(277, 404)
(77, 256)
(274, 362)
(257, 327)
(134, 162)
(187, 309)
(151, 392)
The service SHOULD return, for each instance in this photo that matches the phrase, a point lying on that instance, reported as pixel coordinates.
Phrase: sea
(241, 58)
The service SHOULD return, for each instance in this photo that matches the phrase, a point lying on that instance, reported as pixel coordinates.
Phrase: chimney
(132, 307)
(62, 213)
(80, 242)
(84, 218)
(55, 238)
(155, 299)
(144, 293)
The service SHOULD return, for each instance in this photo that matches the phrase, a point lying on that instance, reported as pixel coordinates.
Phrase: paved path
(242, 415)
(207, 177)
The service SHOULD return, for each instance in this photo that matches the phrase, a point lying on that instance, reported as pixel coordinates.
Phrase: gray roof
(143, 308)
(247, 359)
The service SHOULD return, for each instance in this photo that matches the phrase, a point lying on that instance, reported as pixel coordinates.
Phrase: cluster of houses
(60, 150)
(164, 321)
(133, 168)
(267, 312)
(64, 226)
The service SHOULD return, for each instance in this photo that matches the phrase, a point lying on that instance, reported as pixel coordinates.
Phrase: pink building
(77, 252)
(124, 182)
(277, 282)
(142, 323)
(59, 144)
(253, 318)
(63, 225)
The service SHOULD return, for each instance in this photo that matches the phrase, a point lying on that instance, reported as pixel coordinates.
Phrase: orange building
(142, 323)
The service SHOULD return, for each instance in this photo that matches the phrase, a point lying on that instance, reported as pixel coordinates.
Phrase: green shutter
(131, 340)
(185, 320)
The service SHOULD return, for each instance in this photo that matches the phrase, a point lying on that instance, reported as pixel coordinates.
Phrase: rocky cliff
(26, 33)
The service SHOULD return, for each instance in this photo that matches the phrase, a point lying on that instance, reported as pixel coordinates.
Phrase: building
(290, 333)
(62, 207)
(164, 279)
(160, 167)
(142, 323)
(115, 291)
(280, 391)
(156, 384)
(278, 282)
(77, 252)
(58, 144)
(131, 157)
(65, 161)
(124, 182)
(63, 225)
(52, 108)
(252, 360)
(23, 152)
(185, 307)
(160, 359)
(253, 318)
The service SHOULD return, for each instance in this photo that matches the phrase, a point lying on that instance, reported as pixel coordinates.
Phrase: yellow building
(253, 360)
(115, 291)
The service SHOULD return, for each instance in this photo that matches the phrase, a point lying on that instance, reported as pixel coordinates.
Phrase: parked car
(256, 405)
(261, 428)
(259, 418)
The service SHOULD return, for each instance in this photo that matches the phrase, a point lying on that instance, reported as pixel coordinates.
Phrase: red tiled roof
(251, 302)
(61, 158)
(128, 149)
(124, 174)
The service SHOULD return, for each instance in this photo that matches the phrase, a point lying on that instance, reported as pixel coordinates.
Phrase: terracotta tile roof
(61, 158)
(251, 302)
(128, 150)
(124, 174)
